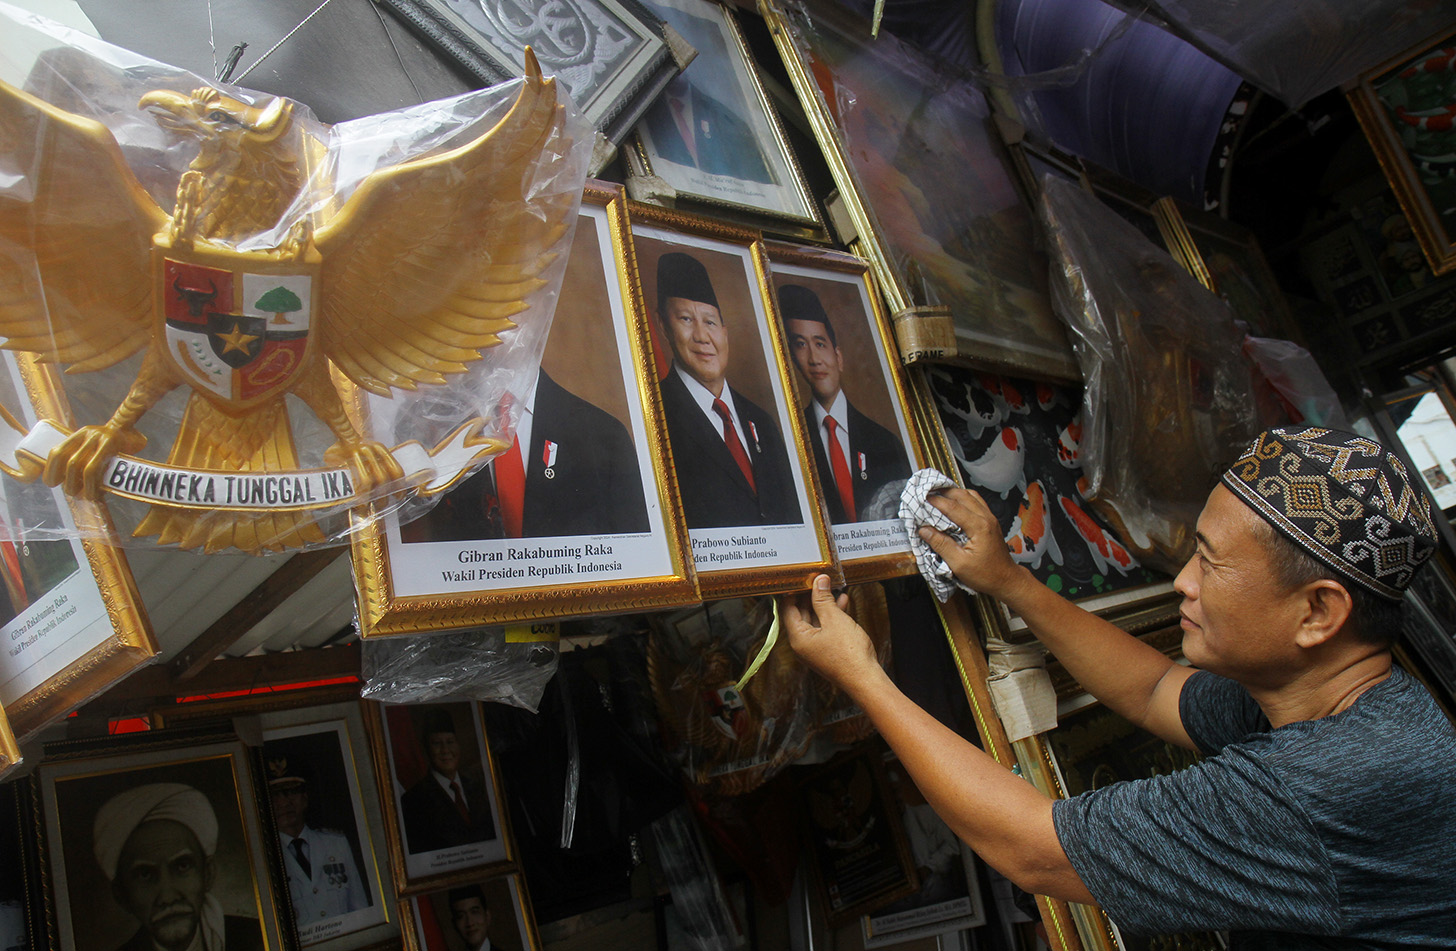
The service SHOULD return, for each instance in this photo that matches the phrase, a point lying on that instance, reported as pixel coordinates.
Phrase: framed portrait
(1404, 108)
(860, 857)
(890, 122)
(714, 137)
(115, 817)
(590, 521)
(437, 776)
(611, 55)
(71, 618)
(323, 802)
(743, 467)
(949, 897)
(464, 917)
(852, 395)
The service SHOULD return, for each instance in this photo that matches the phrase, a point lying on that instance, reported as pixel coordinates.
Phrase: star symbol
(237, 340)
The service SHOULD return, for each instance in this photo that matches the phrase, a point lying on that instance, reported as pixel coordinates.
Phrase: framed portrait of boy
(713, 136)
(115, 815)
(744, 473)
(492, 913)
(71, 618)
(323, 801)
(852, 396)
(440, 783)
(581, 515)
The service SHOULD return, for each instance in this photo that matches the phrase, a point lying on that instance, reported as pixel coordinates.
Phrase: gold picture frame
(92, 795)
(857, 344)
(585, 548)
(747, 538)
(426, 931)
(1402, 128)
(81, 604)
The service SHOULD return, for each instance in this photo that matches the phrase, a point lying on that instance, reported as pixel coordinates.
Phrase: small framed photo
(852, 396)
(713, 136)
(738, 447)
(323, 801)
(611, 55)
(124, 817)
(949, 897)
(591, 521)
(493, 913)
(861, 858)
(1403, 107)
(437, 775)
(71, 618)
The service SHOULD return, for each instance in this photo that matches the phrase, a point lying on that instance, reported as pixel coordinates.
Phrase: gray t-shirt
(1329, 833)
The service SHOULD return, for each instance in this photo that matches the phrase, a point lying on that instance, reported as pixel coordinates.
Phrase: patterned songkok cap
(1341, 497)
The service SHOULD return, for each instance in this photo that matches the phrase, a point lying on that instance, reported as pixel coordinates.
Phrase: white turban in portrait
(119, 818)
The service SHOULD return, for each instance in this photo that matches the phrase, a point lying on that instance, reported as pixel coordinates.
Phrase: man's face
(443, 751)
(699, 340)
(472, 920)
(290, 805)
(161, 879)
(817, 358)
(1237, 619)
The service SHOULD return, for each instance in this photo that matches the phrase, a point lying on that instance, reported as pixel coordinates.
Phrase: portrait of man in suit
(448, 806)
(732, 465)
(323, 878)
(862, 465)
(692, 128)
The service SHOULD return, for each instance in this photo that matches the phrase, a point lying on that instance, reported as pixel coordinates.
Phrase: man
(579, 477)
(445, 808)
(156, 844)
(323, 879)
(732, 467)
(1308, 824)
(690, 127)
(471, 916)
(856, 457)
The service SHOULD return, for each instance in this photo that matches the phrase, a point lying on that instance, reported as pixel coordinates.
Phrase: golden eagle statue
(402, 283)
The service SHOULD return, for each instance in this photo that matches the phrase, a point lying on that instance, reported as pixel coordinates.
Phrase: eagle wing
(82, 295)
(428, 261)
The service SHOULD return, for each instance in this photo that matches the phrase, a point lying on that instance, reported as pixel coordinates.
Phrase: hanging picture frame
(847, 377)
(714, 138)
(600, 528)
(748, 491)
(465, 916)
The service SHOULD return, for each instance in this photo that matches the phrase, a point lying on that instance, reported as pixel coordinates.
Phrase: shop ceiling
(1142, 89)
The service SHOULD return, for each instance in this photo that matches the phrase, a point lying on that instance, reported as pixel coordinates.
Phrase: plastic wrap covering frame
(493, 663)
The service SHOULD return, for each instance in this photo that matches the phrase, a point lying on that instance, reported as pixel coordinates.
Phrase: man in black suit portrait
(856, 457)
(446, 807)
(579, 476)
(156, 844)
(732, 467)
(690, 127)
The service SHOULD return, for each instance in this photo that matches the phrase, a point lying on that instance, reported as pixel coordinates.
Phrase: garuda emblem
(402, 283)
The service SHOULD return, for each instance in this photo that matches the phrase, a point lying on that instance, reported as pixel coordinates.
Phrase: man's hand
(826, 638)
(983, 562)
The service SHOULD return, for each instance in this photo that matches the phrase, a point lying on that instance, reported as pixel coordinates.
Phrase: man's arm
(1000, 815)
(1132, 678)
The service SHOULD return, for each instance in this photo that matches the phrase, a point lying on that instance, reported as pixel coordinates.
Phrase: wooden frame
(1412, 139)
(783, 542)
(427, 849)
(445, 570)
(745, 164)
(611, 55)
(427, 931)
(327, 749)
(871, 544)
(930, 237)
(83, 626)
(121, 784)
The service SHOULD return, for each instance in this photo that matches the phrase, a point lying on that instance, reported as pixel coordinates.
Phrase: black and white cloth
(916, 511)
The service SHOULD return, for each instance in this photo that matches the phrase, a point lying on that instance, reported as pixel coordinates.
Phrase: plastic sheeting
(236, 275)
(1170, 398)
(463, 665)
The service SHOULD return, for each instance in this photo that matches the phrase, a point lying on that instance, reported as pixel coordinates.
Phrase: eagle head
(209, 116)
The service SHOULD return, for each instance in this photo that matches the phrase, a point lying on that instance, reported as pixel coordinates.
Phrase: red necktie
(460, 801)
(510, 488)
(841, 469)
(735, 448)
